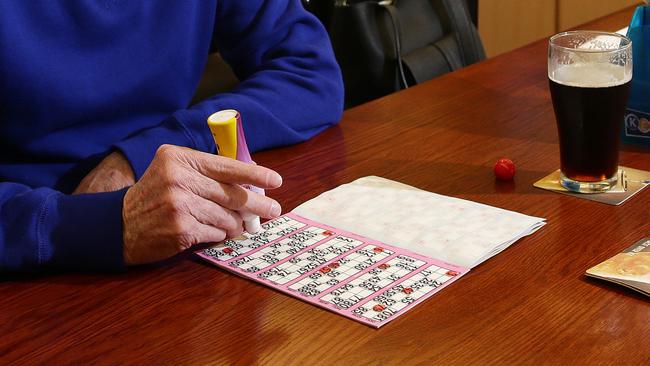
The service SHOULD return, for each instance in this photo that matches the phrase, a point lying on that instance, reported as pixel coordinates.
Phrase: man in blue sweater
(103, 163)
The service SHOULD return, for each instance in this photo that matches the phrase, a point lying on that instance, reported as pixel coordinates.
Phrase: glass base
(588, 187)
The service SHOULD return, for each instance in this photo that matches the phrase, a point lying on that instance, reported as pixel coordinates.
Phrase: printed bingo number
(309, 260)
(340, 270)
(351, 293)
(391, 301)
(273, 230)
(280, 250)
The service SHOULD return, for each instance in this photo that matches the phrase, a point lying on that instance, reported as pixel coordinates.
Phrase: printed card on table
(630, 268)
(357, 277)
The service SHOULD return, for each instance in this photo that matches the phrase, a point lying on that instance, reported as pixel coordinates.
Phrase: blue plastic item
(637, 117)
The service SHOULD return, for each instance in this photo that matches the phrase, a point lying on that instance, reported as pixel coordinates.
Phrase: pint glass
(589, 75)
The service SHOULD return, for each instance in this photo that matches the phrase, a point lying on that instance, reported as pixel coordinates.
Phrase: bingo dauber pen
(228, 133)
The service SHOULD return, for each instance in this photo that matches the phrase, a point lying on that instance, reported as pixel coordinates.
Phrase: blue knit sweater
(80, 79)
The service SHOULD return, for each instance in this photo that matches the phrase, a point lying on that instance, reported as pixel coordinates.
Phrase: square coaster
(630, 182)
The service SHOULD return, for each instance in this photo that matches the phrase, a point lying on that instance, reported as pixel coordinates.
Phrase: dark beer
(589, 120)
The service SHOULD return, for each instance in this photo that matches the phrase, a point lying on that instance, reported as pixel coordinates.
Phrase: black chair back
(384, 46)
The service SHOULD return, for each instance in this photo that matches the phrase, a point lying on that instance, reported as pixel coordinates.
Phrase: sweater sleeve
(291, 85)
(42, 228)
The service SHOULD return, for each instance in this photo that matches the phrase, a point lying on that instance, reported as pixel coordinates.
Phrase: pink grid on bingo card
(357, 277)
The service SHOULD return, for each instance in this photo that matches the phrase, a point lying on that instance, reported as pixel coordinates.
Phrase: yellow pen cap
(223, 125)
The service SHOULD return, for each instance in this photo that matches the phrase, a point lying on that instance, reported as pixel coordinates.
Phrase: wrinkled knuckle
(183, 242)
(167, 176)
(175, 205)
(185, 237)
(189, 184)
(165, 150)
(219, 168)
(180, 204)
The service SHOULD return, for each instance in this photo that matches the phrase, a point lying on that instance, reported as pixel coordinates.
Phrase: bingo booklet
(343, 252)
(359, 278)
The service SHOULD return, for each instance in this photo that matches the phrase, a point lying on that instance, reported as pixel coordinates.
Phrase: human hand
(187, 197)
(112, 174)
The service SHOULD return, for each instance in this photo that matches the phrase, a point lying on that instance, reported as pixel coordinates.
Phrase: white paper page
(456, 231)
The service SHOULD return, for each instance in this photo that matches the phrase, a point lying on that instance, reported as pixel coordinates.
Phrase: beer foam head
(591, 75)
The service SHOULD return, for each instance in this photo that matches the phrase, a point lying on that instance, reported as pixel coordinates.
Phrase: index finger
(232, 171)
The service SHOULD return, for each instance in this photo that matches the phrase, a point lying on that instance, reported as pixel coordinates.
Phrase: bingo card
(357, 277)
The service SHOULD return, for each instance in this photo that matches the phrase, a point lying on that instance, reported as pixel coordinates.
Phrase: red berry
(504, 169)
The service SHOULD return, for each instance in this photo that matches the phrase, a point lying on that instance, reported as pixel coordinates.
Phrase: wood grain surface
(530, 304)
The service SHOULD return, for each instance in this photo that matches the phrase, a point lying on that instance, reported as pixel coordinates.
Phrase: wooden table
(531, 304)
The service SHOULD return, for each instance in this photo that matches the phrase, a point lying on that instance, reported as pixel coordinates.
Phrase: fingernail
(276, 210)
